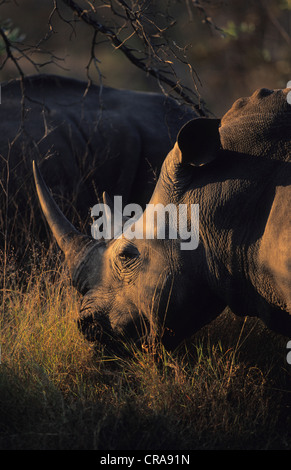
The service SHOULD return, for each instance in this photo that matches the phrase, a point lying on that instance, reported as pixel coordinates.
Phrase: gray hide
(242, 183)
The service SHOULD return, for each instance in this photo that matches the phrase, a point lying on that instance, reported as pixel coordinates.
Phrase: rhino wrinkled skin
(238, 171)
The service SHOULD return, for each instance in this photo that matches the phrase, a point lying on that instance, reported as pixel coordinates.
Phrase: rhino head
(135, 287)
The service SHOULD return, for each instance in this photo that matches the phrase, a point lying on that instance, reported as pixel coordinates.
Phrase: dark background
(240, 47)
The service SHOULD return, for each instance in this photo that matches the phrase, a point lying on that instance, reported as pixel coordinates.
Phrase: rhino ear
(199, 141)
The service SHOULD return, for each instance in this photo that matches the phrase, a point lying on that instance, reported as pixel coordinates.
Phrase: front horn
(74, 244)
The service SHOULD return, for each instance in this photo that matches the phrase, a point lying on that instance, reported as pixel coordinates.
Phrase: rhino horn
(74, 244)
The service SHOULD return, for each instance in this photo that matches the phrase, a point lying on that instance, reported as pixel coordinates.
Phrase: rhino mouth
(96, 330)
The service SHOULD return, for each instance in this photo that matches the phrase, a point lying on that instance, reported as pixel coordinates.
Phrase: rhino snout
(95, 328)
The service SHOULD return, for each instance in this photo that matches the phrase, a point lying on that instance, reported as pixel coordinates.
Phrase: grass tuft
(227, 388)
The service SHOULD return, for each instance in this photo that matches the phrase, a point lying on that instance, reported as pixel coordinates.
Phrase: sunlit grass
(227, 388)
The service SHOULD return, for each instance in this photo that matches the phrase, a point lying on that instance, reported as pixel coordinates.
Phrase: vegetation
(58, 392)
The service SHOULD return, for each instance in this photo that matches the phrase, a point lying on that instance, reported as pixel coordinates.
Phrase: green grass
(227, 388)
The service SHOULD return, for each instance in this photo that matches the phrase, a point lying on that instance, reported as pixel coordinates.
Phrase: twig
(128, 52)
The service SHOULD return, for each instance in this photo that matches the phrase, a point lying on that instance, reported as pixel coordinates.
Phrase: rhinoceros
(238, 170)
(86, 140)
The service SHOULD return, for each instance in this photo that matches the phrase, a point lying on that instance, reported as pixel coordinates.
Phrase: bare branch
(9, 53)
(135, 19)
(206, 18)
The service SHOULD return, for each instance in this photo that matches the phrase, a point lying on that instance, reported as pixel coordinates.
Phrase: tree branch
(182, 91)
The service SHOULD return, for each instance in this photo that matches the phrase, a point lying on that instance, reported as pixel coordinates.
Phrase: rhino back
(86, 140)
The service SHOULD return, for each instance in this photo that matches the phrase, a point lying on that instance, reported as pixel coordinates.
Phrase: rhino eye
(128, 253)
(126, 260)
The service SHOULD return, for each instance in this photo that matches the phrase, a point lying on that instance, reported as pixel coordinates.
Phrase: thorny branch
(138, 29)
(206, 18)
(154, 59)
(10, 55)
(16, 51)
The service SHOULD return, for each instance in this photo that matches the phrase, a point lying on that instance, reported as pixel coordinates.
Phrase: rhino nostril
(95, 328)
(92, 331)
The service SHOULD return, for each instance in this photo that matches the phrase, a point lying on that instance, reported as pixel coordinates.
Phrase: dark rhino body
(86, 142)
(242, 183)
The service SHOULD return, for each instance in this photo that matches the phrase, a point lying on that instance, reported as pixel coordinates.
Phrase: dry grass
(228, 388)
